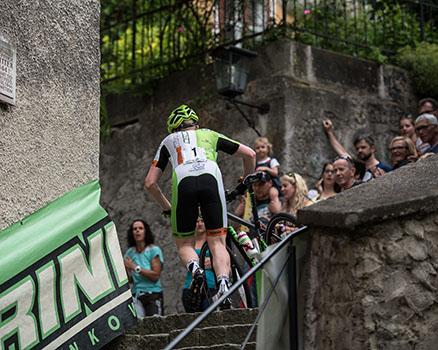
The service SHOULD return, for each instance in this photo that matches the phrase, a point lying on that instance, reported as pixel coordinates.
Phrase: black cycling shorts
(194, 192)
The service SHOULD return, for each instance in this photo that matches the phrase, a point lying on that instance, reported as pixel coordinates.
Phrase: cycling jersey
(196, 178)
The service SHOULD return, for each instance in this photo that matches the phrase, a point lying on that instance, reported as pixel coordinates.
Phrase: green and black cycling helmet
(180, 115)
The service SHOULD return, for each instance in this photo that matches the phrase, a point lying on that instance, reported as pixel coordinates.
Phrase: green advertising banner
(63, 283)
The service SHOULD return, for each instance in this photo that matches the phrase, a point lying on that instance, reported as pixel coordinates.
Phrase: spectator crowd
(418, 139)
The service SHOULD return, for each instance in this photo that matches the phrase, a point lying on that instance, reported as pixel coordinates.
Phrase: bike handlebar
(241, 187)
(254, 177)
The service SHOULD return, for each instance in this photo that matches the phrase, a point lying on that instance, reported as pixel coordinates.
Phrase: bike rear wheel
(279, 225)
(241, 298)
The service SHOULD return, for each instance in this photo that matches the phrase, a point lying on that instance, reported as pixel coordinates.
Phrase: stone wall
(371, 282)
(49, 141)
(299, 83)
(376, 287)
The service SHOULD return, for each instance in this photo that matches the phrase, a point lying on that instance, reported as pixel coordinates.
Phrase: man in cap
(266, 197)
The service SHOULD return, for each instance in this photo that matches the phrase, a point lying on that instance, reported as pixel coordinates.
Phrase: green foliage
(168, 35)
(164, 37)
(422, 61)
(364, 31)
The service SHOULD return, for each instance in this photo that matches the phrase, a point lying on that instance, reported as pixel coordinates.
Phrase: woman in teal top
(144, 263)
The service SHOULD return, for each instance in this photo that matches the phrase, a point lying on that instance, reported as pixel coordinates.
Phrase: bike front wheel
(279, 226)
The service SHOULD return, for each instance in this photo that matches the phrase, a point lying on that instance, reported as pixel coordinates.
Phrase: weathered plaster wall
(298, 82)
(49, 141)
(371, 281)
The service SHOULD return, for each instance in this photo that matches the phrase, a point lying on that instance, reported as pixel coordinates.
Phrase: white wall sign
(8, 63)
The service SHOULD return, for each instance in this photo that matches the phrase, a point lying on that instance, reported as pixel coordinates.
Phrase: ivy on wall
(422, 62)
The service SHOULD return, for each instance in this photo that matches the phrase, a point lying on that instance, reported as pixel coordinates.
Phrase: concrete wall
(298, 82)
(49, 141)
(371, 279)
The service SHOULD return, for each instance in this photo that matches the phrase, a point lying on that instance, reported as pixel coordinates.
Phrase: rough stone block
(367, 266)
(394, 253)
(345, 71)
(414, 228)
(420, 299)
(416, 249)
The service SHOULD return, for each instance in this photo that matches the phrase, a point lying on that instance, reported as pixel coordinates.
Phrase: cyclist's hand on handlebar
(255, 177)
(241, 188)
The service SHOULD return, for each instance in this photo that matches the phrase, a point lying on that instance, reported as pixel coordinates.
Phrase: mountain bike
(260, 234)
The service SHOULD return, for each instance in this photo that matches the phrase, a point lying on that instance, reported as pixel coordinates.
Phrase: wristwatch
(138, 269)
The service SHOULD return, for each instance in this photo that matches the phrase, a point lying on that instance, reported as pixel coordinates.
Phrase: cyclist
(196, 183)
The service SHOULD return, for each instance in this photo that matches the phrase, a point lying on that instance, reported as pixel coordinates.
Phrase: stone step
(209, 336)
(214, 337)
(167, 324)
(249, 346)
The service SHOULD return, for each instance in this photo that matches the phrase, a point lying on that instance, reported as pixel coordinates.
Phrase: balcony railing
(143, 40)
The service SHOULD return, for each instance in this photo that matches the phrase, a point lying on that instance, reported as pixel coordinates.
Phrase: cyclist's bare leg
(221, 259)
(186, 249)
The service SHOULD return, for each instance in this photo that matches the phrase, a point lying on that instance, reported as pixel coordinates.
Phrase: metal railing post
(293, 307)
(134, 41)
(422, 36)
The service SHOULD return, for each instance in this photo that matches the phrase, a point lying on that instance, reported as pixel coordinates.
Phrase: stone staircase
(225, 329)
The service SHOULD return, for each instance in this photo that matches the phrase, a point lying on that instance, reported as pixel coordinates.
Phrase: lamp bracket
(263, 109)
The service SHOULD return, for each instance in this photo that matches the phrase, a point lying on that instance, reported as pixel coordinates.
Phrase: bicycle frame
(255, 230)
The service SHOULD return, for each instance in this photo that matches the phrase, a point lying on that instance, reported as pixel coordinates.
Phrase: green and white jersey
(193, 152)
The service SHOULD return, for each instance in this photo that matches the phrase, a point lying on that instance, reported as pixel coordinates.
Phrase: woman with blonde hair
(403, 151)
(294, 190)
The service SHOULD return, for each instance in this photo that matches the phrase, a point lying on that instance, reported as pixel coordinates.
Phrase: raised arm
(248, 156)
(336, 145)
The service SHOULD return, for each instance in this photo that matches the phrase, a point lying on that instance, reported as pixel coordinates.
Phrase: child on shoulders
(266, 163)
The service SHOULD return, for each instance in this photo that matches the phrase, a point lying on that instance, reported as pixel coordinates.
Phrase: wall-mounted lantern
(231, 67)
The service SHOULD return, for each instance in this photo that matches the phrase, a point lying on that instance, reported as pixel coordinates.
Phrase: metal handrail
(233, 288)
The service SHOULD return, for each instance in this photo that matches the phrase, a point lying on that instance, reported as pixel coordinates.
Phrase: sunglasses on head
(292, 175)
(347, 158)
